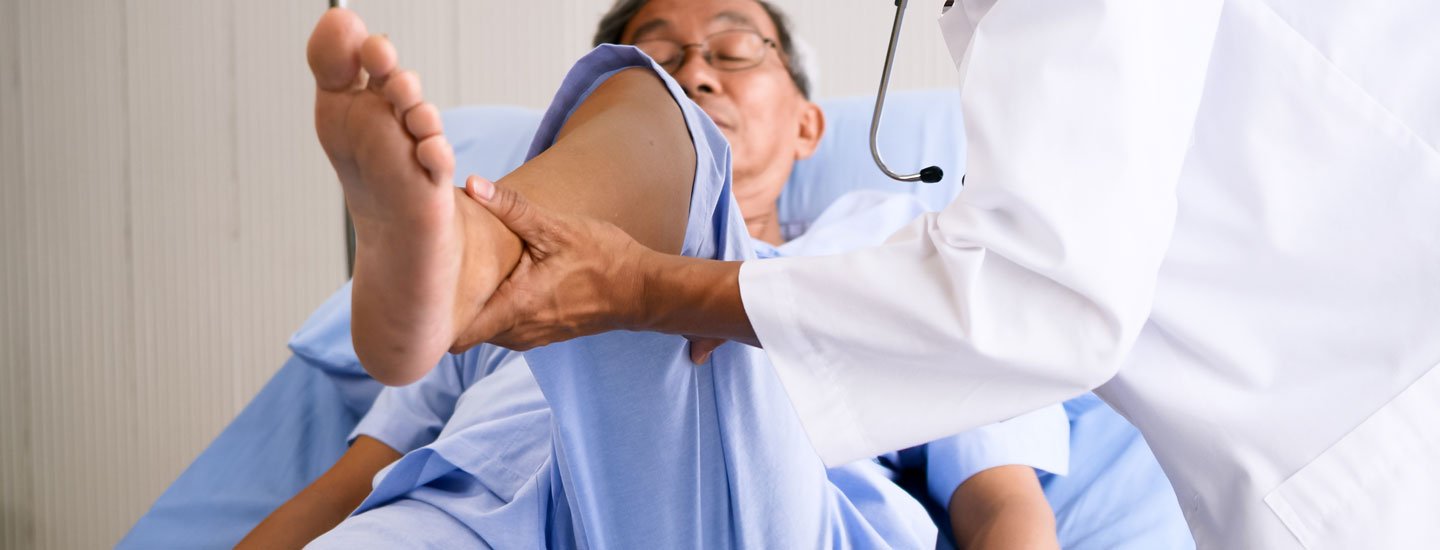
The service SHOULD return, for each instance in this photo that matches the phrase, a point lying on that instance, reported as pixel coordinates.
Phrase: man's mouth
(723, 122)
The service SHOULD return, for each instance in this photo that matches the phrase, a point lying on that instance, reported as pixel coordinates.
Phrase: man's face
(768, 122)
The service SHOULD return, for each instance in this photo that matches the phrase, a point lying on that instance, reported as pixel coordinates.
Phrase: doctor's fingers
(515, 316)
(701, 348)
(535, 225)
(576, 276)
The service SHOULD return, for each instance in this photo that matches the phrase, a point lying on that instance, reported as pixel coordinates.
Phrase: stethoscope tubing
(930, 174)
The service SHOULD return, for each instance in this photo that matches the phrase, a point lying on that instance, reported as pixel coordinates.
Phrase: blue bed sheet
(296, 427)
(285, 438)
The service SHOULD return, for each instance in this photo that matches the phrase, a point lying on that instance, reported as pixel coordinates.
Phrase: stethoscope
(930, 174)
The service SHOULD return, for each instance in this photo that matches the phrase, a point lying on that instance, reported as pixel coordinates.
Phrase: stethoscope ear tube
(929, 174)
(349, 223)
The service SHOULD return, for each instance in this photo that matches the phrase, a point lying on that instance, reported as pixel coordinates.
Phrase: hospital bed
(296, 427)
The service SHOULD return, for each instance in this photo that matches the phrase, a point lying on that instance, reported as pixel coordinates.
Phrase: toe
(423, 121)
(333, 51)
(402, 89)
(436, 155)
(378, 57)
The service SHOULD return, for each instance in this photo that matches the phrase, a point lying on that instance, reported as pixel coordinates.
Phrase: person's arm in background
(402, 419)
(1002, 508)
(988, 479)
(323, 504)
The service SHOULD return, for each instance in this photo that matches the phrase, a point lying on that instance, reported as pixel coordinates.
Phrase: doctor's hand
(577, 276)
(701, 348)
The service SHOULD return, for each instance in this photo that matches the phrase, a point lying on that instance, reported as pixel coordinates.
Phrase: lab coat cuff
(766, 291)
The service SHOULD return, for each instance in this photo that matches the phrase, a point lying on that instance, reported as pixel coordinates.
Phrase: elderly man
(663, 454)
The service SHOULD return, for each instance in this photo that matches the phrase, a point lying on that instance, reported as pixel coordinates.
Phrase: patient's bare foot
(395, 167)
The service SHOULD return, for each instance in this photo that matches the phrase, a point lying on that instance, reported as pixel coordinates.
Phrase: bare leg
(425, 261)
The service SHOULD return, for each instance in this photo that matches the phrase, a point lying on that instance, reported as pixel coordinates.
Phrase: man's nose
(695, 75)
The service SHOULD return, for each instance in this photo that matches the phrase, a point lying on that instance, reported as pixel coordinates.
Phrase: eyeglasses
(732, 50)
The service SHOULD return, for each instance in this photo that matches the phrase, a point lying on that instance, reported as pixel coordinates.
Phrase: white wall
(166, 218)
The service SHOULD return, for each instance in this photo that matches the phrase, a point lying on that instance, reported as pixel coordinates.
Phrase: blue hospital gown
(483, 412)
(636, 446)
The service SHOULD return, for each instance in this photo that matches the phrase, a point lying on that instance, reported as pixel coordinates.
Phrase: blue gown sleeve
(409, 417)
(1040, 440)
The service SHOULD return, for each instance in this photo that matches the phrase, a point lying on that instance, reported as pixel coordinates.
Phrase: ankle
(489, 252)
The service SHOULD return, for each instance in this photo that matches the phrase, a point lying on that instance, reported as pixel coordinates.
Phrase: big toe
(334, 49)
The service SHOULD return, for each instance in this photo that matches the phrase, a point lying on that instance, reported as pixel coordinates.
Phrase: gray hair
(612, 28)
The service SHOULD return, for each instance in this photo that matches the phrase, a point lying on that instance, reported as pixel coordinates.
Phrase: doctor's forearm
(694, 297)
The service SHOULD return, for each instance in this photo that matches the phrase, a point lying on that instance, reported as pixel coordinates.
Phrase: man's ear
(812, 128)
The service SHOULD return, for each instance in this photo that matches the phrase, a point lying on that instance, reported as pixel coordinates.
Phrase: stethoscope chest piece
(929, 174)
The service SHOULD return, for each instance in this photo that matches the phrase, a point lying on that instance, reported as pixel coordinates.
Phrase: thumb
(513, 210)
(701, 348)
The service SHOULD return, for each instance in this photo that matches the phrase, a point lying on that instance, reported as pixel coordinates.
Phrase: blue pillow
(490, 141)
(920, 128)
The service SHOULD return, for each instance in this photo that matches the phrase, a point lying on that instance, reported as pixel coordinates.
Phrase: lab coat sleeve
(1031, 286)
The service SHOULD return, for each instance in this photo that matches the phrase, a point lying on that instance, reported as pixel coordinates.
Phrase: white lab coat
(1233, 204)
